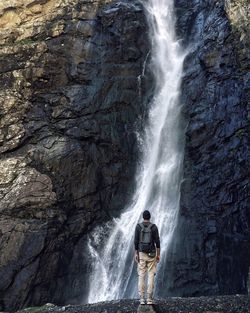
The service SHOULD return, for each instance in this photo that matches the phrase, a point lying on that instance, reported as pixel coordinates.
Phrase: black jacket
(155, 236)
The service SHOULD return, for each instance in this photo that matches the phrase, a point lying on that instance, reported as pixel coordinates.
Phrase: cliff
(71, 106)
(210, 254)
(71, 103)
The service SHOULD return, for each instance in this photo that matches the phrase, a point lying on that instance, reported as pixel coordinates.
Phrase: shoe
(150, 301)
(142, 301)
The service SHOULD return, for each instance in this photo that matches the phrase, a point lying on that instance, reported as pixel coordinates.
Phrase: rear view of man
(147, 254)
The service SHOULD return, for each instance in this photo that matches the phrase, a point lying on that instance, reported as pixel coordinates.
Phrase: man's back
(154, 233)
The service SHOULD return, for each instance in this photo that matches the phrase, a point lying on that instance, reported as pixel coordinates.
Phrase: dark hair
(146, 215)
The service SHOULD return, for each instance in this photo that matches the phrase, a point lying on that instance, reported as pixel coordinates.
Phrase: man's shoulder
(154, 227)
(139, 226)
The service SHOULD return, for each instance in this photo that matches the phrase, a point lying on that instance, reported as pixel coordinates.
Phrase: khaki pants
(146, 264)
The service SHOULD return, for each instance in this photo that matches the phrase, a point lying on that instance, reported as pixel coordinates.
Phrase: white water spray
(160, 170)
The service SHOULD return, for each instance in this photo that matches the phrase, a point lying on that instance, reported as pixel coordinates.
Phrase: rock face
(72, 99)
(211, 250)
(229, 304)
(71, 103)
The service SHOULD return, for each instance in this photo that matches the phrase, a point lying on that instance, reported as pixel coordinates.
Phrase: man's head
(146, 215)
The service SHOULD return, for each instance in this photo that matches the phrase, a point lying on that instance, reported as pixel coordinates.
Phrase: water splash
(159, 173)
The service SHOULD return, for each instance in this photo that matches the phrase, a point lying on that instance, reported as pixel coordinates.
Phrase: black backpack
(146, 240)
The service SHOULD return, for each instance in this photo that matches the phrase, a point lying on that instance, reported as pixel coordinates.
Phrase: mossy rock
(36, 309)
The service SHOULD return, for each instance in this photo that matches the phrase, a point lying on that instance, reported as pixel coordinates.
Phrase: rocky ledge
(218, 304)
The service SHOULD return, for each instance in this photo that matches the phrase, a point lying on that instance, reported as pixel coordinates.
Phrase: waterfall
(139, 78)
(159, 172)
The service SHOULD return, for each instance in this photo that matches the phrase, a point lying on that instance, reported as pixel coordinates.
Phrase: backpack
(146, 241)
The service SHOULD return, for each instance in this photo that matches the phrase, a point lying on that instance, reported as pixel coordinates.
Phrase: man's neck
(146, 221)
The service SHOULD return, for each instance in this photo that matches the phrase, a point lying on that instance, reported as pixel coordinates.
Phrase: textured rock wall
(70, 105)
(211, 250)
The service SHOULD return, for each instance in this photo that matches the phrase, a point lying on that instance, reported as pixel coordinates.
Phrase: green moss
(240, 132)
(26, 41)
(36, 309)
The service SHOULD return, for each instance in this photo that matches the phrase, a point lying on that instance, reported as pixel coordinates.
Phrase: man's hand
(137, 260)
(158, 255)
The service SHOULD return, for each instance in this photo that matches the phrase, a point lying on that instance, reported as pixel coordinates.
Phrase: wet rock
(211, 249)
(146, 309)
(229, 304)
(70, 109)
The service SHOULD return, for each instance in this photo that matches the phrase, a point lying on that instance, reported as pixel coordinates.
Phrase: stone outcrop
(71, 103)
(229, 304)
(211, 250)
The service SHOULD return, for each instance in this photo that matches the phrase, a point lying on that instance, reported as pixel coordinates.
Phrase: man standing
(147, 254)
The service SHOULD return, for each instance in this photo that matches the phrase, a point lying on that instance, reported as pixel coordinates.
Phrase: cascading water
(160, 170)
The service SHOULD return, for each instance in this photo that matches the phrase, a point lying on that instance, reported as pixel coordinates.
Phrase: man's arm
(136, 243)
(157, 243)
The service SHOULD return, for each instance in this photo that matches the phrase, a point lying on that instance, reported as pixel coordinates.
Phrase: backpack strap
(150, 225)
(142, 225)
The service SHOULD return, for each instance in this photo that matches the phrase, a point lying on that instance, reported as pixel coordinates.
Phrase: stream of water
(159, 172)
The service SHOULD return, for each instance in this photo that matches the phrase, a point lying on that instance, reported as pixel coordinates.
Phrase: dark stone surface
(71, 109)
(228, 304)
(211, 249)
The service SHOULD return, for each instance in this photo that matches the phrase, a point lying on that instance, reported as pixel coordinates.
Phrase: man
(147, 254)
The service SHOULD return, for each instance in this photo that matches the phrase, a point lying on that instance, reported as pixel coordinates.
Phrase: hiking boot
(150, 301)
(142, 301)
